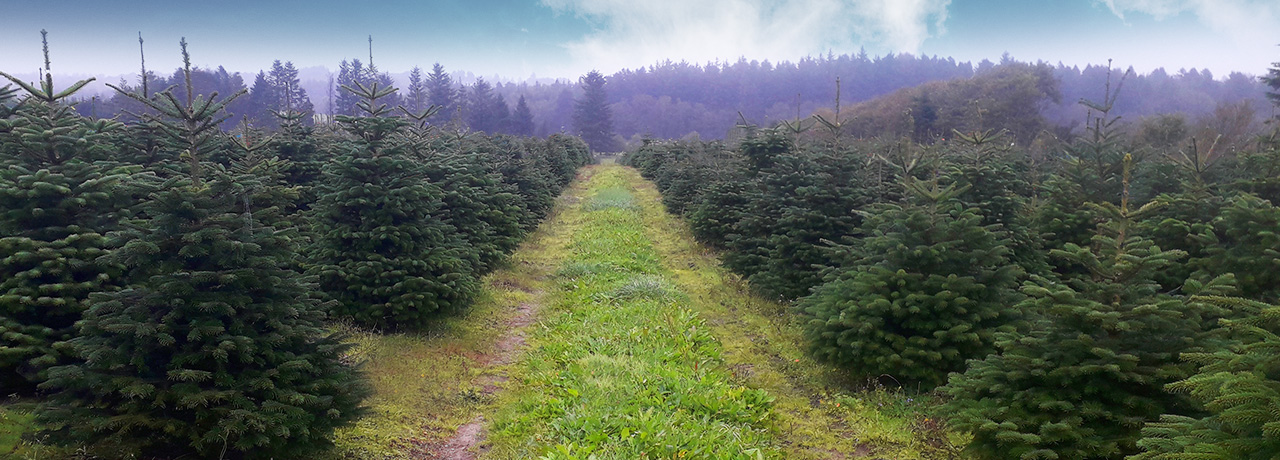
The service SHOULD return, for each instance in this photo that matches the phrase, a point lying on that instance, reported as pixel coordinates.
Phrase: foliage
(215, 344)
(592, 118)
(1092, 366)
(383, 251)
(1239, 388)
(932, 288)
(59, 197)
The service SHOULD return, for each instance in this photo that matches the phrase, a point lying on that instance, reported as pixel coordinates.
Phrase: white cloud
(632, 33)
(1245, 22)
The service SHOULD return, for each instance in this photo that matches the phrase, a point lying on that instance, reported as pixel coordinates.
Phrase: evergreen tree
(1243, 241)
(348, 74)
(522, 119)
(417, 98)
(60, 197)
(1237, 385)
(382, 251)
(441, 93)
(1272, 80)
(994, 180)
(591, 116)
(932, 288)
(484, 108)
(1093, 365)
(289, 93)
(215, 347)
(261, 101)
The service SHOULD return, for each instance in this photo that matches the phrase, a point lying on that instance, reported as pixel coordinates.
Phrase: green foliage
(382, 250)
(1238, 386)
(933, 286)
(1092, 366)
(58, 199)
(215, 345)
(1244, 242)
(591, 117)
(996, 182)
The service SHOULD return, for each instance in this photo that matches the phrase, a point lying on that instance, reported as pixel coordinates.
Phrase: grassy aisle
(818, 413)
(621, 367)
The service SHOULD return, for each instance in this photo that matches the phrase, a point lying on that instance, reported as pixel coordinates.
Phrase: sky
(567, 38)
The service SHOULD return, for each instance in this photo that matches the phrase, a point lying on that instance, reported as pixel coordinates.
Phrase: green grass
(621, 367)
(819, 412)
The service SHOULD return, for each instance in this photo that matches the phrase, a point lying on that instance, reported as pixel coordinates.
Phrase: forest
(193, 267)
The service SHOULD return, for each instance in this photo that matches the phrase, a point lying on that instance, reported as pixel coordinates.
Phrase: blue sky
(565, 38)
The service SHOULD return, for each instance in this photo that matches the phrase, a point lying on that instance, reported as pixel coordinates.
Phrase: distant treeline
(677, 99)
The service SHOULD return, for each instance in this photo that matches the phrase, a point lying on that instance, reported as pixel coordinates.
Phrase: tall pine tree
(591, 115)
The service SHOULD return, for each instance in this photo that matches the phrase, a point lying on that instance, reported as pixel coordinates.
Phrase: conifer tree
(591, 115)
(60, 196)
(994, 180)
(1272, 80)
(417, 97)
(932, 288)
(382, 251)
(441, 93)
(215, 347)
(1243, 241)
(522, 119)
(1237, 385)
(1093, 365)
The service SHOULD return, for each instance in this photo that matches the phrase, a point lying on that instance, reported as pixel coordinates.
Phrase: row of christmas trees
(167, 289)
(1106, 301)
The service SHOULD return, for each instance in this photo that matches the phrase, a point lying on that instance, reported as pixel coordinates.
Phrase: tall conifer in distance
(215, 347)
(591, 115)
(441, 93)
(381, 250)
(416, 100)
(60, 196)
(522, 119)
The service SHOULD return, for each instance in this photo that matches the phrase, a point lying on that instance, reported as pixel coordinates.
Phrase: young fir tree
(1239, 386)
(1093, 365)
(215, 348)
(382, 251)
(1244, 241)
(1186, 222)
(994, 180)
(60, 197)
(485, 212)
(932, 288)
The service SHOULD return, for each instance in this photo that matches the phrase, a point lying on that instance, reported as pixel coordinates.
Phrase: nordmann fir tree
(931, 289)
(1238, 385)
(382, 251)
(485, 212)
(1093, 365)
(215, 347)
(60, 196)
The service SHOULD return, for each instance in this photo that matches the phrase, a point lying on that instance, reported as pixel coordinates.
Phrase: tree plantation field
(940, 275)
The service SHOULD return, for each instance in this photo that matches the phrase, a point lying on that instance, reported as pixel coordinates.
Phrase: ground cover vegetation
(1103, 295)
(171, 289)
